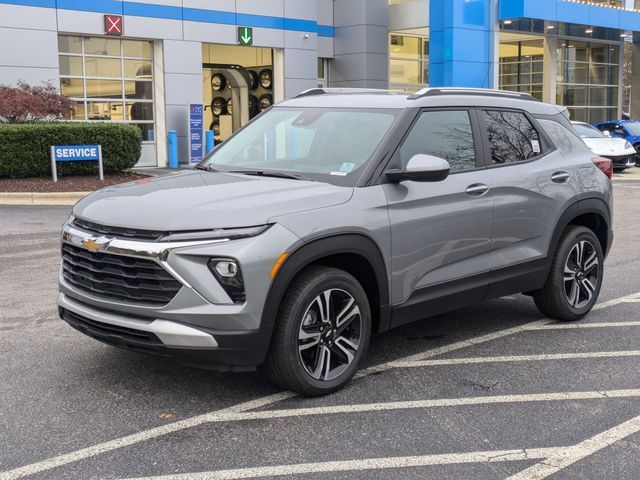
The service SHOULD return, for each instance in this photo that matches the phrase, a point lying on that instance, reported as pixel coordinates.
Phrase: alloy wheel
(581, 274)
(329, 334)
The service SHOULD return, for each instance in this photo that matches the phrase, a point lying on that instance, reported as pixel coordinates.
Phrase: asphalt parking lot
(490, 392)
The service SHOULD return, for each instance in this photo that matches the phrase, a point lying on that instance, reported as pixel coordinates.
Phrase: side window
(512, 137)
(446, 134)
(563, 138)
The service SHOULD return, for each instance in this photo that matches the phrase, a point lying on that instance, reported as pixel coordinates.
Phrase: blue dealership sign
(196, 112)
(74, 153)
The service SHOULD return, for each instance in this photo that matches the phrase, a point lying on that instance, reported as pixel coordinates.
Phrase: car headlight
(215, 234)
(627, 146)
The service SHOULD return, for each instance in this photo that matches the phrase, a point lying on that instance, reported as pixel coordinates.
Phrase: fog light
(227, 268)
(227, 272)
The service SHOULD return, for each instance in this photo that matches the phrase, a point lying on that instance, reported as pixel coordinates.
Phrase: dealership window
(110, 79)
(588, 79)
(408, 62)
(521, 66)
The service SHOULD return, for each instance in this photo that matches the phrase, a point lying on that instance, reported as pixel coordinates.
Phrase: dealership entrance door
(238, 84)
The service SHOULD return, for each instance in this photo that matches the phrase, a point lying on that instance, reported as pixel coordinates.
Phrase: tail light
(604, 164)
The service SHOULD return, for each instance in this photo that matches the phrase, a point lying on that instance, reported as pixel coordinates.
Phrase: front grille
(620, 160)
(131, 233)
(112, 334)
(117, 277)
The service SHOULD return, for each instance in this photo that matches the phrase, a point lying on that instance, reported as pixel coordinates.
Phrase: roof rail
(343, 91)
(484, 92)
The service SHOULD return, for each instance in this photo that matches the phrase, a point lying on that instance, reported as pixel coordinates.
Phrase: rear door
(440, 231)
(533, 185)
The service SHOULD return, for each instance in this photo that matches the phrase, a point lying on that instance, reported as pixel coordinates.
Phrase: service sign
(196, 148)
(76, 153)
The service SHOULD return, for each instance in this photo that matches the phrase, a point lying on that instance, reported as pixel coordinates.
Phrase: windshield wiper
(207, 168)
(264, 173)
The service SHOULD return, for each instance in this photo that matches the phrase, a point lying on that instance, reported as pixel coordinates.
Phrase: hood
(196, 200)
(608, 146)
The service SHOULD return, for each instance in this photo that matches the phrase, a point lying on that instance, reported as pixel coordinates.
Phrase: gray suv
(336, 215)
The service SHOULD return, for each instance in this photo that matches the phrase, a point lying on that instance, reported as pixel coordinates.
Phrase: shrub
(25, 103)
(25, 149)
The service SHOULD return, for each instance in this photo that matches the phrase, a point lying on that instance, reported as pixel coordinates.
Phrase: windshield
(587, 131)
(314, 143)
(633, 127)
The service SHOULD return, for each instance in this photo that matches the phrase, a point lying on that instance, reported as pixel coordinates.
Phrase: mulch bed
(79, 183)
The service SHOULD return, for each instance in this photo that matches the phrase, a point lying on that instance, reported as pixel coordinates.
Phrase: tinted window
(445, 134)
(564, 139)
(512, 137)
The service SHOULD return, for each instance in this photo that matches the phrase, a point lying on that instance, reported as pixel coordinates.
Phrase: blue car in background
(627, 129)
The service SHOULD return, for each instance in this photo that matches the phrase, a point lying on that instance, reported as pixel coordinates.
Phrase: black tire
(637, 147)
(569, 298)
(289, 367)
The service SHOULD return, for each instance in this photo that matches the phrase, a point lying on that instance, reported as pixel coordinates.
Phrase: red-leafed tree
(24, 103)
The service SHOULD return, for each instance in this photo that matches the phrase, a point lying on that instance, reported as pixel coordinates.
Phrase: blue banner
(75, 153)
(196, 111)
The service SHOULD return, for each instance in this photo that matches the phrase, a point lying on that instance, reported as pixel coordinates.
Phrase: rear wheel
(575, 279)
(322, 332)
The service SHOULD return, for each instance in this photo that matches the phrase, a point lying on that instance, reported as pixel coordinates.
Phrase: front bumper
(200, 325)
(623, 161)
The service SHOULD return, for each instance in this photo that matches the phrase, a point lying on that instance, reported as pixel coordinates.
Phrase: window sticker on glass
(535, 145)
(347, 167)
(339, 174)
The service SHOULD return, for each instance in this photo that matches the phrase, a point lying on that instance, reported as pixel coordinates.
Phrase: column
(463, 41)
(361, 44)
(550, 70)
(183, 85)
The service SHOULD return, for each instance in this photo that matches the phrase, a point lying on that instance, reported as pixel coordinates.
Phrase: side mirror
(607, 133)
(422, 168)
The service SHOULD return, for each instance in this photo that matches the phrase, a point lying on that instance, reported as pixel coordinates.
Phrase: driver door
(441, 232)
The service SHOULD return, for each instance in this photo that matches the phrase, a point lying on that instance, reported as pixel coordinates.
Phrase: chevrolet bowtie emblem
(95, 244)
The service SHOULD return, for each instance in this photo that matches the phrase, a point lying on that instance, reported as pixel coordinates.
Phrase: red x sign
(113, 24)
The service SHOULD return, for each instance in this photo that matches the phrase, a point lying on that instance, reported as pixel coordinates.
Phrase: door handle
(560, 177)
(477, 189)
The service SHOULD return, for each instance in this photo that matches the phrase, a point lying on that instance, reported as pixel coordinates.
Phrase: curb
(41, 198)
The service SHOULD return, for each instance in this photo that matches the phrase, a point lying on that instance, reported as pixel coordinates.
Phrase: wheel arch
(592, 213)
(356, 254)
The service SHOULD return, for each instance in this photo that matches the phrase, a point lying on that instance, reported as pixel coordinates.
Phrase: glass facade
(110, 79)
(408, 62)
(521, 66)
(588, 79)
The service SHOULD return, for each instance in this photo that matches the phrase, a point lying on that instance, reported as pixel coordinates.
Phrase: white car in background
(618, 150)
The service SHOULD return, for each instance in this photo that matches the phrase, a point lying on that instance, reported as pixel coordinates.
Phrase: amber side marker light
(277, 265)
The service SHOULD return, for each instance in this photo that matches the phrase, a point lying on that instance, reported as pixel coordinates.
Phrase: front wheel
(575, 279)
(322, 332)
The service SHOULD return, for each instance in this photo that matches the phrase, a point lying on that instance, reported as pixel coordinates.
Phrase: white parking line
(364, 464)
(553, 460)
(518, 358)
(572, 326)
(145, 435)
(563, 457)
(633, 298)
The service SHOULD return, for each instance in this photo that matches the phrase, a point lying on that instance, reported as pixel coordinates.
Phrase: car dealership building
(147, 62)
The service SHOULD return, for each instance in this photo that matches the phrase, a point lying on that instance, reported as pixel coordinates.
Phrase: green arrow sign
(245, 36)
